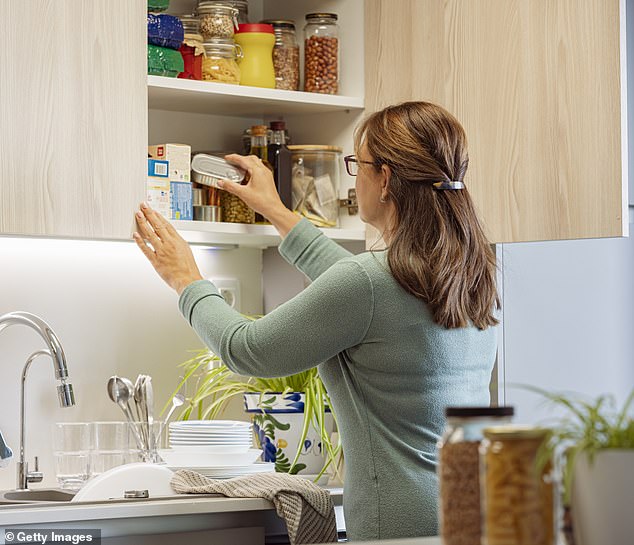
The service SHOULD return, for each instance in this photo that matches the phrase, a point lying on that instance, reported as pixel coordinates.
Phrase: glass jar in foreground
(221, 61)
(321, 53)
(315, 183)
(217, 20)
(518, 489)
(459, 470)
(285, 54)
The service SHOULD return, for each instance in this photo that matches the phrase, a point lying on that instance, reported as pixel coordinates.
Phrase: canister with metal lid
(208, 169)
(518, 488)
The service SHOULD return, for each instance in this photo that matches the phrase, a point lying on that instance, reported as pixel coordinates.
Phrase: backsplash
(112, 314)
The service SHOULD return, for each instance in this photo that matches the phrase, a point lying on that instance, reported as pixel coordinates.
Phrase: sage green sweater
(389, 369)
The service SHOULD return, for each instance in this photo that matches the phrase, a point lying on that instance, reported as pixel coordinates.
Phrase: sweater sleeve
(308, 249)
(329, 316)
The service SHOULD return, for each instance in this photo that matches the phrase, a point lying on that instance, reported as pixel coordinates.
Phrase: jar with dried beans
(321, 53)
(285, 54)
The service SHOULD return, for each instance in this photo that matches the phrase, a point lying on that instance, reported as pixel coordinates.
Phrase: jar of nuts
(459, 473)
(217, 20)
(234, 209)
(518, 487)
(321, 53)
(285, 54)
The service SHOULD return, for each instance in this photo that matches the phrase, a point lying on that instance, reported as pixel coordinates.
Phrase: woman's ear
(386, 175)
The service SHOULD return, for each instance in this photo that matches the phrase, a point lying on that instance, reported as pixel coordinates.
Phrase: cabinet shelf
(253, 236)
(181, 95)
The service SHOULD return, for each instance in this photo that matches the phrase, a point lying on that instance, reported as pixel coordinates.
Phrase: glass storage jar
(241, 5)
(321, 53)
(221, 61)
(217, 20)
(285, 54)
(315, 183)
(518, 489)
(459, 470)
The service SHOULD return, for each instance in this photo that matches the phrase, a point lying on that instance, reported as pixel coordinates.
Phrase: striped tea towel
(306, 508)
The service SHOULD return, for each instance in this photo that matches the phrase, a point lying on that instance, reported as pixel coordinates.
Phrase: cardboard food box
(158, 187)
(179, 158)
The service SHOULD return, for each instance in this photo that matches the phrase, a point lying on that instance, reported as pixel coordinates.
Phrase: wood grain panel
(536, 84)
(73, 117)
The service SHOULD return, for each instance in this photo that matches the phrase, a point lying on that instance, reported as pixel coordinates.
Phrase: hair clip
(448, 185)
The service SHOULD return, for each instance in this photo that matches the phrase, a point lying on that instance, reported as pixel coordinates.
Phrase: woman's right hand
(259, 193)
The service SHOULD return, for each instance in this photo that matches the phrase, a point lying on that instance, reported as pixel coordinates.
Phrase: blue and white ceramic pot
(277, 424)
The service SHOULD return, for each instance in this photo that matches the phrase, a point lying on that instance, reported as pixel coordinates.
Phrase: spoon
(139, 399)
(177, 401)
(148, 390)
(120, 393)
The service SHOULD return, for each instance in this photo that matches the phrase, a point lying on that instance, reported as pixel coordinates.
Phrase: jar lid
(277, 125)
(222, 47)
(515, 432)
(190, 22)
(279, 23)
(206, 6)
(259, 130)
(254, 27)
(321, 16)
(478, 411)
(311, 147)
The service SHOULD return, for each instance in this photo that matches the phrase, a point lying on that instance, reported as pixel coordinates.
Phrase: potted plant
(595, 442)
(292, 417)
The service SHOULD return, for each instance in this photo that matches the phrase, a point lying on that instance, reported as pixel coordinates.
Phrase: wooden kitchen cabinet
(73, 117)
(538, 87)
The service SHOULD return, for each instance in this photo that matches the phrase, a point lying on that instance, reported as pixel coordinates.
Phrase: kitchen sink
(36, 495)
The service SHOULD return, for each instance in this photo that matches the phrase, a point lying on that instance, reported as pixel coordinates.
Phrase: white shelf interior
(251, 236)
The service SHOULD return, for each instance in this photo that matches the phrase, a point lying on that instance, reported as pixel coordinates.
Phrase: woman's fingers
(246, 162)
(146, 231)
(149, 253)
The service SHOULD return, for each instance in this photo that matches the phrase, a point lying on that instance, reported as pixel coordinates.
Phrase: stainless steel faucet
(64, 390)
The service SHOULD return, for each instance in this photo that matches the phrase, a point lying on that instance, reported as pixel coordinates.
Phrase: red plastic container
(193, 63)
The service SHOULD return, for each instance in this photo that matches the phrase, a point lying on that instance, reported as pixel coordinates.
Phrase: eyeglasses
(352, 164)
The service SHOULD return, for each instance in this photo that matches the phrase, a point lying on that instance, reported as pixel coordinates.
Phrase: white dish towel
(306, 508)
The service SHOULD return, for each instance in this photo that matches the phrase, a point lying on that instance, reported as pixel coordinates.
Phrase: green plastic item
(158, 5)
(162, 61)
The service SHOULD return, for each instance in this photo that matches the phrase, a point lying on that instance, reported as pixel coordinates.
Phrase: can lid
(216, 167)
(314, 147)
(515, 432)
(279, 23)
(321, 15)
(478, 411)
(255, 27)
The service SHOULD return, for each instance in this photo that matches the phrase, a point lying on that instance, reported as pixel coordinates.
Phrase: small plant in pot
(292, 419)
(595, 440)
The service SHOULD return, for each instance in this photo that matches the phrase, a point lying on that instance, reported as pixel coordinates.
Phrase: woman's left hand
(166, 250)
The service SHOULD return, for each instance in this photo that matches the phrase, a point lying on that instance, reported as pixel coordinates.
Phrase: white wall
(112, 314)
(568, 320)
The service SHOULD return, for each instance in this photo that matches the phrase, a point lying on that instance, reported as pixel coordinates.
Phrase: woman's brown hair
(437, 251)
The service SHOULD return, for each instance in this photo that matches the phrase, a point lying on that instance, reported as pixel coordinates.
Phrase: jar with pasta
(518, 487)
(217, 20)
(459, 471)
(221, 61)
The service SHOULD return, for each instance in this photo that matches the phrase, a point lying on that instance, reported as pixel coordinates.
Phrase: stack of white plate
(220, 449)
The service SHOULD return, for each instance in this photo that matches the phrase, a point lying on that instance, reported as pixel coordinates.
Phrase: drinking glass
(71, 450)
(110, 446)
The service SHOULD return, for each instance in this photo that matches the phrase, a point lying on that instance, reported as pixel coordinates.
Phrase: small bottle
(259, 148)
(459, 470)
(281, 158)
(321, 53)
(518, 489)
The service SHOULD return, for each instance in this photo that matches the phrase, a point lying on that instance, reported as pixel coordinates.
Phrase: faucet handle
(35, 476)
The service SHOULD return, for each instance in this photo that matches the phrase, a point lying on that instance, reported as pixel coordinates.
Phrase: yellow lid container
(256, 65)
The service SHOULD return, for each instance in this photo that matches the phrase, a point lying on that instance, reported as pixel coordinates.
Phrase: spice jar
(459, 470)
(192, 48)
(285, 55)
(221, 61)
(315, 183)
(217, 20)
(256, 65)
(321, 53)
(518, 490)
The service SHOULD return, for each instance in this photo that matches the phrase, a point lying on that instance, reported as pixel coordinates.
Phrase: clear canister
(315, 183)
(217, 20)
(459, 470)
(221, 61)
(241, 5)
(321, 53)
(518, 487)
(285, 54)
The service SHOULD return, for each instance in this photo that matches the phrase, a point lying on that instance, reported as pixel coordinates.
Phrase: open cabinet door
(539, 86)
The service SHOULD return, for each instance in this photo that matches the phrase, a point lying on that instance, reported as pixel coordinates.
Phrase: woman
(398, 335)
